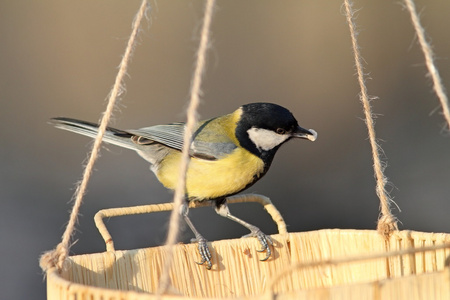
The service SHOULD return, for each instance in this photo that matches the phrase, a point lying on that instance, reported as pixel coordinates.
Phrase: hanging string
(387, 223)
(188, 132)
(428, 53)
(56, 257)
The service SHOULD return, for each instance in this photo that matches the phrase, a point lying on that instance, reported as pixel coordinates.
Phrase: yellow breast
(209, 179)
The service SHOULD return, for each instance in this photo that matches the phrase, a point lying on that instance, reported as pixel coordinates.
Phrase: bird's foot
(263, 239)
(203, 250)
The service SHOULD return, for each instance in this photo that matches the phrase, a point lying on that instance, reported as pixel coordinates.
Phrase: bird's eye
(281, 131)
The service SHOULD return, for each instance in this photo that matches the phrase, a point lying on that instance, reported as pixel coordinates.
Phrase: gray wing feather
(170, 135)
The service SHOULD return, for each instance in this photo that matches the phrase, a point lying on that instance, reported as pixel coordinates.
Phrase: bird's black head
(264, 127)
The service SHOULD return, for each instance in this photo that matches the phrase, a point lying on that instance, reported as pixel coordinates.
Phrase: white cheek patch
(266, 139)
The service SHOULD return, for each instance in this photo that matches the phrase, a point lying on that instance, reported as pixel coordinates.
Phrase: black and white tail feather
(113, 136)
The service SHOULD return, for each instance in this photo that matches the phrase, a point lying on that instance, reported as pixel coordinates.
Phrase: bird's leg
(202, 242)
(264, 240)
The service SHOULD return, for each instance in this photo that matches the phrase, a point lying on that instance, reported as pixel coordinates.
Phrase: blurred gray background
(59, 58)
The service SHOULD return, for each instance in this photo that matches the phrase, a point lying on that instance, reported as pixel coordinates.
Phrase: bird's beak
(303, 133)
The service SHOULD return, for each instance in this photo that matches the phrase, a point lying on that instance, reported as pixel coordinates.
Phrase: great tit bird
(228, 154)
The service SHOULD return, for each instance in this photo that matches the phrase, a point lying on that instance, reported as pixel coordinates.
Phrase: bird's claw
(204, 252)
(264, 240)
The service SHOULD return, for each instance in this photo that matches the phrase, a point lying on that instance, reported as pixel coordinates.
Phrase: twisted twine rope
(387, 223)
(57, 256)
(188, 132)
(428, 53)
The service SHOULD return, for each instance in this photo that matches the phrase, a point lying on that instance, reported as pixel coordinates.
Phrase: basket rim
(399, 235)
(55, 277)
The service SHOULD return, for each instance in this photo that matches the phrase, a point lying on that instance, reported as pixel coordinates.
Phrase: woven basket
(324, 264)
